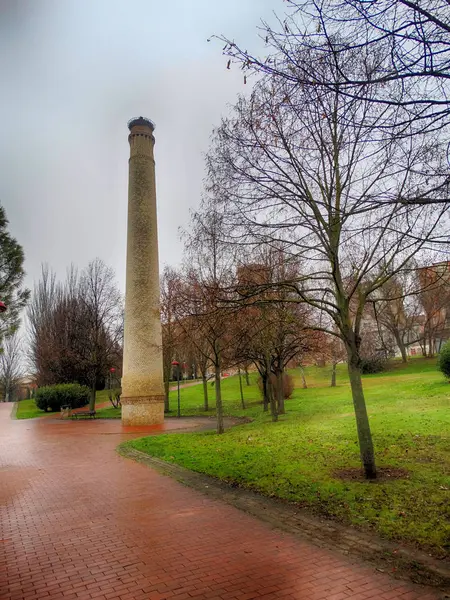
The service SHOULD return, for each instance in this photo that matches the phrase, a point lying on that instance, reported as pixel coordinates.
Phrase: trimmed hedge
(52, 397)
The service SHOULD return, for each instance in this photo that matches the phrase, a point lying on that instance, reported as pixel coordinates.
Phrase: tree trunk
(431, 347)
(333, 375)
(219, 407)
(302, 372)
(423, 346)
(205, 393)
(265, 393)
(273, 401)
(280, 393)
(92, 396)
(362, 419)
(166, 395)
(401, 346)
(247, 378)
(241, 390)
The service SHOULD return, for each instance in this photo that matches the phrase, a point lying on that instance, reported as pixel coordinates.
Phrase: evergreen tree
(12, 292)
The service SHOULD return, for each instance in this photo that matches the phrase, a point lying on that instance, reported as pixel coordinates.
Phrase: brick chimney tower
(142, 381)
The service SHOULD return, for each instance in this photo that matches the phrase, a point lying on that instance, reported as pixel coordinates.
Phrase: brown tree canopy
(76, 327)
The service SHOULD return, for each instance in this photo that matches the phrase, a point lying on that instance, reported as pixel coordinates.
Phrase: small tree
(196, 344)
(40, 319)
(277, 327)
(101, 328)
(169, 286)
(333, 351)
(201, 298)
(444, 360)
(10, 366)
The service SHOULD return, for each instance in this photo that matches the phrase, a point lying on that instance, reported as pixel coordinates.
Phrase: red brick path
(80, 522)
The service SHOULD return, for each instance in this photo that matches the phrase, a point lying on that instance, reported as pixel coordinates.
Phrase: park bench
(84, 413)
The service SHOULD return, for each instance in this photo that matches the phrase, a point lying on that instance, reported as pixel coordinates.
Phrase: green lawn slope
(298, 457)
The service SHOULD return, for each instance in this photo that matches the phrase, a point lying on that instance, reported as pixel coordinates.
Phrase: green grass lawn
(297, 458)
(27, 409)
(191, 400)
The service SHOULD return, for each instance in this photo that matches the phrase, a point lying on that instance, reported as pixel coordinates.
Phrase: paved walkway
(80, 522)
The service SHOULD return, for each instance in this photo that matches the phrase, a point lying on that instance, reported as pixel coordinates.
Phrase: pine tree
(12, 292)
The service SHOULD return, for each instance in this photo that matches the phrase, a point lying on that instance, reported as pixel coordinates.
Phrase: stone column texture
(142, 380)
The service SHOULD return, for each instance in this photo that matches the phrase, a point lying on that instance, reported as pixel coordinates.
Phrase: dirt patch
(383, 474)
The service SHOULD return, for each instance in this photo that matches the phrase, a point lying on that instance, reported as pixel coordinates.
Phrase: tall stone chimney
(142, 381)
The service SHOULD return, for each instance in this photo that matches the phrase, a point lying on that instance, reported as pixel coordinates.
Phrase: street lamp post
(176, 364)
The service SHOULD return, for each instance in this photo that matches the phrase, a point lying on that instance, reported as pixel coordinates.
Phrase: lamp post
(176, 364)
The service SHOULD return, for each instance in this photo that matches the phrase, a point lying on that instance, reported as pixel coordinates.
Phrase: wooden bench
(84, 413)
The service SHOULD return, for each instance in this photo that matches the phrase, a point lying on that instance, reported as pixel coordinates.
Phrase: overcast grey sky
(73, 72)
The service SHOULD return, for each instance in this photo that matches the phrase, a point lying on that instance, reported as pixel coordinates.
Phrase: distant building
(435, 300)
(25, 387)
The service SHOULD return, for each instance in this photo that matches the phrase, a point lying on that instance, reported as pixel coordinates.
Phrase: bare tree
(101, 328)
(255, 347)
(404, 47)
(170, 329)
(208, 275)
(11, 367)
(75, 329)
(40, 315)
(199, 348)
(277, 329)
(304, 167)
(395, 309)
(330, 349)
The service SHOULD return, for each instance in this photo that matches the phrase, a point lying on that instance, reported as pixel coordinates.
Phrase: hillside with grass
(301, 457)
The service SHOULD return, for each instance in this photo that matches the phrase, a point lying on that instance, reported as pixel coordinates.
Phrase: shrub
(444, 360)
(52, 397)
(373, 364)
(288, 384)
(114, 396)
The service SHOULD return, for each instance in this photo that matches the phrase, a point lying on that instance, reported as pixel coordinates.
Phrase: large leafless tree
(404, 46)
(306, 167)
